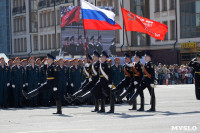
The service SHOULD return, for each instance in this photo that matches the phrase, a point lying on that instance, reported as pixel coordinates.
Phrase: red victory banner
(134, 22)
(72, 16)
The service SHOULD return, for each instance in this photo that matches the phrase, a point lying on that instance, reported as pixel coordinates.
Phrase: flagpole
(129, 50)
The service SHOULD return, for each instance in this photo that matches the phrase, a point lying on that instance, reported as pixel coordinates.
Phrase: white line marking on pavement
(49, 131)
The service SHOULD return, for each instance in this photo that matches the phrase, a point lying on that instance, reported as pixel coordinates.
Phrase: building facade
(5, 26)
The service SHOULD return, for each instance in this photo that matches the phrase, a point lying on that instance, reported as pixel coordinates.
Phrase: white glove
(90, 79)
(8, 84)
(13, 86)
(110, 86)
(152, 85)
(72, 85)
(135, 82)
(38, 83)
(26, 84)
(55, 89)
(67, 84)
(23, 85)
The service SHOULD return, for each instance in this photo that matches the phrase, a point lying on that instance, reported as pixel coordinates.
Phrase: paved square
(177, 111)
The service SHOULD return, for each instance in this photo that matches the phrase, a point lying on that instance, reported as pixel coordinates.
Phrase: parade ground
(177, 111)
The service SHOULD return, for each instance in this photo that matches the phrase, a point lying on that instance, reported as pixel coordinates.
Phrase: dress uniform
(103, 85)
(51, 84)
(113, 47)
(4, 83)
(80, 46)
(135, 83)
(72, 47)
(87, 73)
(98, 46)
(62, 79)
(147, 82)
(9, 87)
(17, 75)
(91, 47)
(33, 75)
(76, 76)
(195, 64)
(66, 46)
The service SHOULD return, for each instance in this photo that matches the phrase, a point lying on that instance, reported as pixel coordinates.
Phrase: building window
(33, 16)
(22, 45)
(44, 22)
(172, 30)
(45, 42)
(18, 45)
(40, 20)
(164, 5)
(15, 44)
(58, 17)
(190, 18)
(53, 41)
(25, 45)
(48, 19)
(166, 35)
(35, 42)
(157, 5)
(49, 41)
(52, 18)
(58, 40)
(41, 43)
(172, 4)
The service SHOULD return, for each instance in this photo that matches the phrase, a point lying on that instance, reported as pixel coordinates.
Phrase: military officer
(113, 47)
(33, 75)
(91, 47)
(66, 46)
(51, 84)
(4, 83)
(103, 85)
(195, 64)
(72, 47)
(10, 97)
(80, 46)
(147, 82)
(17, 75)
(98, 46)
(62, 71)
(76, 76)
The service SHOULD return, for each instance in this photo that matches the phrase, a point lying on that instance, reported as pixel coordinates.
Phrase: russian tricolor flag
(95, 18)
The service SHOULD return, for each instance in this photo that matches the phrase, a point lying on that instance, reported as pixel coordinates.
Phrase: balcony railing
(50, 3)
(18, 10)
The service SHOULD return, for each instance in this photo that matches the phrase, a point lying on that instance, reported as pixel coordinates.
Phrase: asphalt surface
(177, 111)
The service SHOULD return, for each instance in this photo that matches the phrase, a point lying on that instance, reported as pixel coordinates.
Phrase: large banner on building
(72, 34)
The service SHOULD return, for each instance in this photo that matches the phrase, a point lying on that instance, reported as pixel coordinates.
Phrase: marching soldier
(113, 47)
(92, 81)
(135, 83)
(4, 83)
(17, 75)
(103, 85)
(51, 84)
(147, 82)
(80, 46)
(91, 47)
(33, 75)
(98, 46)
(10, 97)
(195, 64)
(72, 47)
(62, 71)
(87, 74)
(38, 62)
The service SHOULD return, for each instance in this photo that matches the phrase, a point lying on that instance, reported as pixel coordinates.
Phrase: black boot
(102, 106)
(142, 105)
(112, 106)
(134, 105)
(84, 97)
(153, 105)
(96, 105)
(59, 107)
(68, 99)
(134, 96)
(30, 94)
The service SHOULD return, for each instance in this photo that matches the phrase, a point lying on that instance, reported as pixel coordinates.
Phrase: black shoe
(95, 110)
(130, 102)
(71, 96)
(67, 99)
(57, 113)
(101, 111)
(134, 108)
(140, 109)
(151, 110)
(111, 111)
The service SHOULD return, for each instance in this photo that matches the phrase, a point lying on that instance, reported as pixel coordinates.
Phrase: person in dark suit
(80, 46)
(113, 47)
(91, 47)
(72, 47)
(66, 46)
(98, 46)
